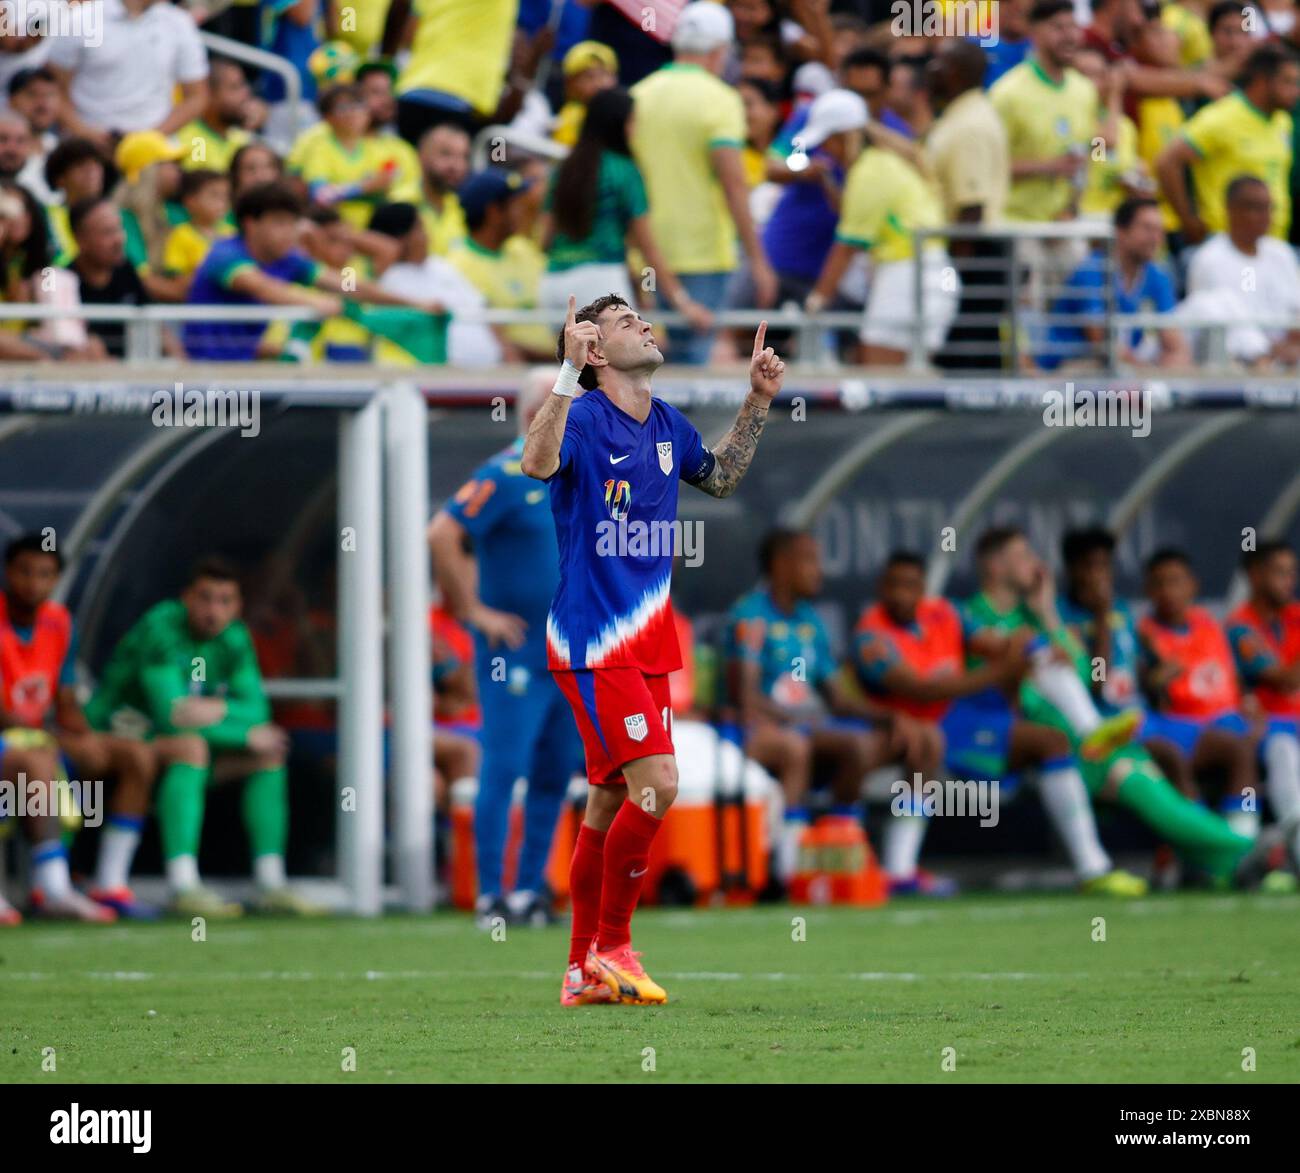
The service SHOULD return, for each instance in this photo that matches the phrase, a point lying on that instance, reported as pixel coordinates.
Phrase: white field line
(694, 920)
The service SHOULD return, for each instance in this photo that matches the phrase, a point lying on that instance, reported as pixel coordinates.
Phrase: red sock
(627, 848)
(585, 872)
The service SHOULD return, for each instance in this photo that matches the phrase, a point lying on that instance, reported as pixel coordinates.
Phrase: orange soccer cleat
(622, 972)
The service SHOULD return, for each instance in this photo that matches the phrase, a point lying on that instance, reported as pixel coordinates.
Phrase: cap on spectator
(144, 148)
(379, 65)
(586, 54)
(812, 79)
(702, 27)
(833, 113)
(493, 186)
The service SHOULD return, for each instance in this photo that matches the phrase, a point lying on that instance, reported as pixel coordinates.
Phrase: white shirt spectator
(12, 17)
(1225, 282)
(126, 82)
(469, 343)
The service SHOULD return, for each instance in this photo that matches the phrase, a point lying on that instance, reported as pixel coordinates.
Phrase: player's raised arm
(542, 445)
(735, 450)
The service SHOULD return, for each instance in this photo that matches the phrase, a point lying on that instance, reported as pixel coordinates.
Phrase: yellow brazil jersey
(1044, 120)
(65, 246)
(1159, 122)
(568, 123)
(321, 160)
(683, 114)
(885, 201)
(445, 226)
(209, 148)
(1231, 137)
(461, 47)
(509, 279)
(1194, 44)
(366, 28)
(186, 246)
(1104, 191)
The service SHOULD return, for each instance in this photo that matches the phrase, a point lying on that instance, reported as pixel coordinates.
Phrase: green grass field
(1016, 986)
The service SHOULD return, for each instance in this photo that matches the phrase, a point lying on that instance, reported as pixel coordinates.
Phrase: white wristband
(566, 382)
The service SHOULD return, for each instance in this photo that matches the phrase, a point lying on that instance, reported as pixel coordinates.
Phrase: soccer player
(1017, 595)
(1265, 636)
(497, 563)
(1189, 673)
(187, 673)
(1190, 676)
(613, 459)
(793, 703)
(1105, 628)
(38, 653)
(909, 657)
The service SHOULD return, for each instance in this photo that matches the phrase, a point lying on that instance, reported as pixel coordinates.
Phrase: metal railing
(272, 63)
(814, 341)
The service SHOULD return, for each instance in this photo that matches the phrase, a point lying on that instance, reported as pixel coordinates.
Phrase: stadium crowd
(693, 157)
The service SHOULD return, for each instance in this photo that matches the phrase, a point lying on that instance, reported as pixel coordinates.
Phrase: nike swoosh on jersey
(637, 875)
(619, 460)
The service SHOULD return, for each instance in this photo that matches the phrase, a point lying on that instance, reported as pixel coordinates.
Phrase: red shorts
(622, 714)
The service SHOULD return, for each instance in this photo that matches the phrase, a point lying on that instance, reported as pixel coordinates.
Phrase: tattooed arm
(735, 450)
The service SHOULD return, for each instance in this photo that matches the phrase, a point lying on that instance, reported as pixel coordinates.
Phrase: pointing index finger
(760, 338)
(572, 319)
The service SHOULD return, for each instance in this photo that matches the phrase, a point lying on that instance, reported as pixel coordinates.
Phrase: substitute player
(613, 459)
(1189, 674)
(793, 701)
(502, 589)
(1017, 595)
(1265, 636)
(187, 676)
(1155, 780)
(38, 652)
(909, 656)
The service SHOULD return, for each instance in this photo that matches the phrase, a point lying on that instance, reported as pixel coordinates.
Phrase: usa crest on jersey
(636, 726)
(665, 450)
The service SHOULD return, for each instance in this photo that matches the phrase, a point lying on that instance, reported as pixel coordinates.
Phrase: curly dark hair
(589, 313)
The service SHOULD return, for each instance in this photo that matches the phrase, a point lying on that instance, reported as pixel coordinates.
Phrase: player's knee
(666, 783)
(187, 749)
(136, 757)
(34, 763)
(657, 785)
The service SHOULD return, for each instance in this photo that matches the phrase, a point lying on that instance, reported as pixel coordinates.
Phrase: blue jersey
(1119, 689)
(506, 514)
(235, 341)
(792, 649)
(1085, 295)
(614, 498)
